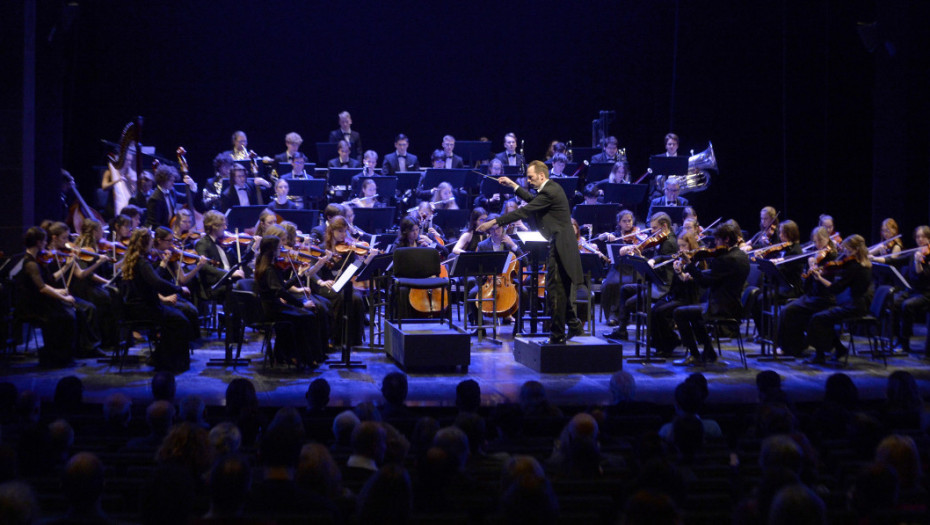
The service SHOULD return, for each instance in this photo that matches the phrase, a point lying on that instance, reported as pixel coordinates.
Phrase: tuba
(698, 177)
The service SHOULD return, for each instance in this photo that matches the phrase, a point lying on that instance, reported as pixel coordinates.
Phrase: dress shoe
(619, 333)
(575, 332)
(613, 321)
(556, 341)
(709, 357)
(688, 361)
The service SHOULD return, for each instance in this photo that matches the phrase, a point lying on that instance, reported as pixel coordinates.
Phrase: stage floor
(492, 365)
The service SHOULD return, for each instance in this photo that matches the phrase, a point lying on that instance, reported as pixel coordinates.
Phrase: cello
(185, 172)
(508, 298)
(431, 301)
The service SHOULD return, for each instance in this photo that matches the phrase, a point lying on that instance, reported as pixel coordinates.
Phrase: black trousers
(662, 325)
(691, 327)
(610, 290)
(560, 296)
(297, 334)
(907, 306)
(821, 333)
(795, 319)
(172, 352)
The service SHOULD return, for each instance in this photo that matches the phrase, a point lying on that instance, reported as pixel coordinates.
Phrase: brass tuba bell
(699, 166)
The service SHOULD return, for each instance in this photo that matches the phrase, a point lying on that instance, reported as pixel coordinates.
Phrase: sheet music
(531, 237)
(347, 275)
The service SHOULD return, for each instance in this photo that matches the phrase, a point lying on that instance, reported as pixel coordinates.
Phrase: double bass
(185, 172)
(79, 210)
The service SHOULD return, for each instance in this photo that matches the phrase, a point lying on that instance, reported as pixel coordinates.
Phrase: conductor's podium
(580, 355)
(427, 346)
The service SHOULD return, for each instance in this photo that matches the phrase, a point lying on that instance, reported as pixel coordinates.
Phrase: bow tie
(511, 154)
(402, 156)
(449, 158)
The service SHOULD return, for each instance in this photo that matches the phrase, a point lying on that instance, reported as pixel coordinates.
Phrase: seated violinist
(410, 236)
(682, 291)
(617, 275)
(657, 248)
(171, 267)
(768, 230)
(516, 226)
(911, 305)
(724, 281)
(891, 241)
(336, 240)
(355, 234)
(791, 270)
(89, 284)
(181, 226)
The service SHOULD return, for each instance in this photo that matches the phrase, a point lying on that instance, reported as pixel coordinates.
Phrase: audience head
(160, 415)
(225, 438)
(82, 480)
(841, 390)
(468, 396)
(192, 409)
(780, 451)
(343, 425)
(622, 387)
(454, 443)
(474, 428)
(369, 439)
(688, 432)
(876, 489)
(367, 411)
(648, 507)
(116, 409)
(533, 397)
(318, 471)
(688, 397)
(767, 380)
(280, 443)
(318, 394)
(529, 499)
(394, 388)
(900, 452)
(187, 446)
(902, 391)
(18, 505)
(69, 394)
(387, 496)
(164, 386)
(240, 396)
(230, 481)
(60, 437)
(424, 431)
(796, 505)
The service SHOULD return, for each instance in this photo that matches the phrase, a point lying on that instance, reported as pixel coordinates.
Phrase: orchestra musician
(368, 197)
(292, 142)
(683, 290)
(510, 157)
(423, 216)
(617, 275)
(181, 226)
(670, 198)
(496, 241)
(399, 159)
(724, 281)
(438, 159)
(355, 234)
(795, 317)
(148, 296)
(469, 239)
(556, 146)
(671, 145)
(298, 168)
(240, 146)
(89, 285)
(222, 164)
(163, 202)
(343, 159)
(295, 320)
(52, 306)
(511, 205)
(552, 211)
(911, 305)
(318, 233)
(345, 133)
(630, 294)
(889, 245)
(281, 200)
(443, 197)
(611, 153)
(768, 230)
(144, 190)
(495, 201)
(559, 160)
(74, 277)
(449, 158)
(171, 269)
(122, 183)
(241, 191)
(788, 233)
(336, 236)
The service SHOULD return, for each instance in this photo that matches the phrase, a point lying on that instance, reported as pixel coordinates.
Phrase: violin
(84, 254)
(187, 257)
(653, 240)
(830, 266)
(764, 253)
(586, 247)
(228, 239)
(818, 262)
(360, 248)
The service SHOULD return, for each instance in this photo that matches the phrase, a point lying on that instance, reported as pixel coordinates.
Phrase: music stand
(451, 220)
(538, 250)
(387, 185)
(648, 279)
(375, 271)
(242, 217)
(247, 166)
(626, 195)
(326, 151)
(283, 168)
(513, 170)
(407, 181)
(480, 264)
(592, 269)
(662, 165)
(887, 274)
(489, 187)
(473, 181)
(580, 154)
(342, 177)
(344, 284)
(225, 282)
(374, 220)
(435, 176)
(772, 281)
(569, 185)
(598, 171)
(473, 151)
(602, 217)
(676, 213)
(305, 220)
(310, 190)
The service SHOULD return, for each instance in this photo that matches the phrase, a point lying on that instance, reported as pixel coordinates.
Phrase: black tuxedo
(334, 163)
(355, 140)
(281, 157)
(553, 216)
(392, 163)
(158, 212)
(660, 201)
(602, 158)
(457, 162)
(502, 156)
(230, 196)
(303, 176)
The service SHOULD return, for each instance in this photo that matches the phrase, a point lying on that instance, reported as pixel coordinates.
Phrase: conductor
(552, 212)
